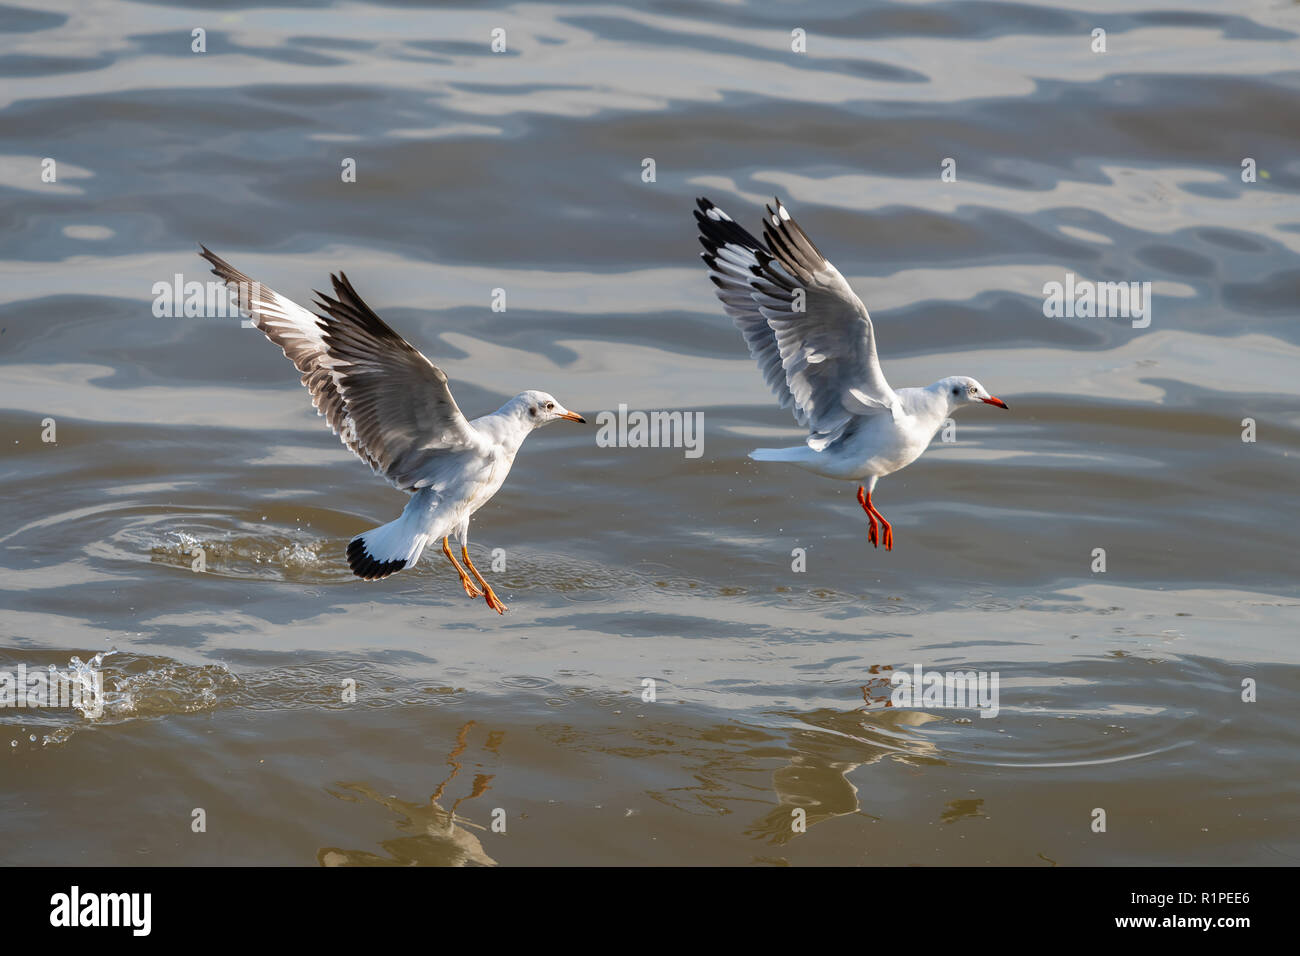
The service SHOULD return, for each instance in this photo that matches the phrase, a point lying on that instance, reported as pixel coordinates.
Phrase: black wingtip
(343, 288)
(347, 295)
(365, 566)
(220, 267)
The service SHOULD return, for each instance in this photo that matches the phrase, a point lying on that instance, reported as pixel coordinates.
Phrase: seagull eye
(549, 406)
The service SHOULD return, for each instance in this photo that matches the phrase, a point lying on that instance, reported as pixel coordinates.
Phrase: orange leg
(489, 595)
(864, 499)
(866, 506)
(465, 582)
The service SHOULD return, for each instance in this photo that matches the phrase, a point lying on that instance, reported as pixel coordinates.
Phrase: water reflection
(434, 836)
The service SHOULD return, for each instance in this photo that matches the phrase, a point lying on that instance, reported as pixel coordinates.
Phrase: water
(522, 171)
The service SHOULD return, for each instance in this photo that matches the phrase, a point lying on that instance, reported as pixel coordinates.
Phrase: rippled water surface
(522, 171)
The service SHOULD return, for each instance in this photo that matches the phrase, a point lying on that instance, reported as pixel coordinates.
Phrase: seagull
(394, 409)
(813, 340)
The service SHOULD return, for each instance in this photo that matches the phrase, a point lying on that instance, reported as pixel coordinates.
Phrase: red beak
(994, 401)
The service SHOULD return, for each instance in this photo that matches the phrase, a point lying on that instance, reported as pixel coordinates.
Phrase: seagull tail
(799, 453)
(389, 548)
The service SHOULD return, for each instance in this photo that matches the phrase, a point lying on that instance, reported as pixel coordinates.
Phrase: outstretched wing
(386, 401)
(811, 336)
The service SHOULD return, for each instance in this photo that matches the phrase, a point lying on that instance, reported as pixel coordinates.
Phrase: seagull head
(963, 390)
(540, 408)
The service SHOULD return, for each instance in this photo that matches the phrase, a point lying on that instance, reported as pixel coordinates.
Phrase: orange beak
(575, 417)
(994, 401)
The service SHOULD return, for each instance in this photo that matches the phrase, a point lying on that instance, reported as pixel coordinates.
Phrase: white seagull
(394, 409)
(813, 340)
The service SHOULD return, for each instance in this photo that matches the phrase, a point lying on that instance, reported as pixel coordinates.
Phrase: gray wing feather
(388, 403)
(733, 255)
(801, 320)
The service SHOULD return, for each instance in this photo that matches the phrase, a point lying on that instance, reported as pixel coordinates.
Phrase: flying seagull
(394, 409)
(813, 341)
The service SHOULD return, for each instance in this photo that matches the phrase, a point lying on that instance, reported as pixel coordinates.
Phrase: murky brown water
(1120, 690)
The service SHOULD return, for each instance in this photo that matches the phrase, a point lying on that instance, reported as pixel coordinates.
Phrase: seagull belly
(485, 482)
(881, 446)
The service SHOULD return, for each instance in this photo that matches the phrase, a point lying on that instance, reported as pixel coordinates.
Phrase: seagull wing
(385, 401)
(810, 334)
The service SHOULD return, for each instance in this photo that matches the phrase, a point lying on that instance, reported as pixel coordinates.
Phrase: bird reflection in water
(434, 836)
(838, 743)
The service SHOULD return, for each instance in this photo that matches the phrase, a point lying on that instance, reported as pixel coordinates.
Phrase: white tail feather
(394, 542)
(391, 547)
(780, 454)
